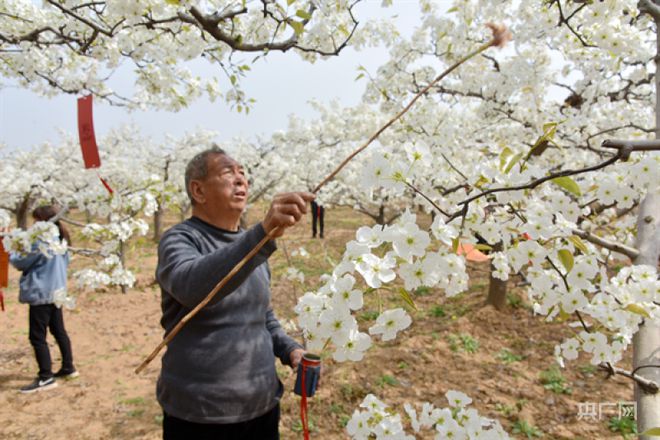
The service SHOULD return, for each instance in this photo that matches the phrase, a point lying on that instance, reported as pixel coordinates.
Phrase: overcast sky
(282, 84)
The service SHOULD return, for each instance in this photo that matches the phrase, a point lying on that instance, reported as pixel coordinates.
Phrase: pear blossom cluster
(43, 237)
(457, 421)
(110, 271)
(5, 219)
(619, 307)
(61, 298)
(76, 45)
(378, 255)
(143, 182)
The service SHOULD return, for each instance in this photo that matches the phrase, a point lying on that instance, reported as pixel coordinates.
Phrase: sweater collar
(215, 228)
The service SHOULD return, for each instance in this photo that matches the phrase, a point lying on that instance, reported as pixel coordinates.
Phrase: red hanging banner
(4, 274)
(4, 266)
(90, 150)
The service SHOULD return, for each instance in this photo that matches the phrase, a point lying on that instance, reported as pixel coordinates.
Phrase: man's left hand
(296, 356)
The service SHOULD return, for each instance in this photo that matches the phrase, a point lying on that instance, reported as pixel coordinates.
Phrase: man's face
(225, 188)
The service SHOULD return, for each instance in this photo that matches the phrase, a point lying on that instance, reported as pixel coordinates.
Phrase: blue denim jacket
(41, 277)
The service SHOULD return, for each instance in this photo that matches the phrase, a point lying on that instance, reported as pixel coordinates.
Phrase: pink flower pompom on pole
(501, 34)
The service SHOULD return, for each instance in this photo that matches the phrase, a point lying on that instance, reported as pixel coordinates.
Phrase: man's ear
(197, 191)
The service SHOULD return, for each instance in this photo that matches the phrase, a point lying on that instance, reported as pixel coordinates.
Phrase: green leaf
(563, 316)
(406, 297)
(549, 131)
(454, 9)
(297, 26)
(653, 431)
(512, 162)
(173, 2)
(483, 247)
(566, 258)
(359, 76)
(454, 245)
(504, 155)
(637, 309)
(481, 182)
(232, 79)
(290, 2)
(303, 14)
(568, 184)
(578, 243)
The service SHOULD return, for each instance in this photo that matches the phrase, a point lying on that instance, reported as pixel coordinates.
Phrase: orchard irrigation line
(500, 36)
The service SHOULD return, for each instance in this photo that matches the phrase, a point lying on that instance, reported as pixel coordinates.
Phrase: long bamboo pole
(500, 36)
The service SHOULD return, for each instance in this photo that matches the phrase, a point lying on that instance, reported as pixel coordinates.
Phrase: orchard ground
(502, 360)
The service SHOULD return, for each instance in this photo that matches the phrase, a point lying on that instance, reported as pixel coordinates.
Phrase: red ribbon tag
(107, 185)
(4, 266)
(303, 404)
(88, 145)
(4, 274)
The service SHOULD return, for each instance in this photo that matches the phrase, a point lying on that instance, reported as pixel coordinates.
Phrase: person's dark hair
(198, 167)
(45, 213)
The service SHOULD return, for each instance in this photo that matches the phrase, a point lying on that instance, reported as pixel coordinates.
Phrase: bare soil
(112, 332)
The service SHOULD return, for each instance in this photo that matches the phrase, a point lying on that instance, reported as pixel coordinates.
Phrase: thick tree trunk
(122, 258)
(380, 218)
(646, 342)
(496, 287)
(22, 213)
(158, 223)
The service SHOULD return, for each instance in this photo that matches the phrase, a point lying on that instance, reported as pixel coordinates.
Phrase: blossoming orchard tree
(75, 46)
(503, 160)
(143, 179)
(493, 151)
(29, 176)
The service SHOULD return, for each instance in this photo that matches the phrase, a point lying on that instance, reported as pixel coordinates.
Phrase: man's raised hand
(285, 211)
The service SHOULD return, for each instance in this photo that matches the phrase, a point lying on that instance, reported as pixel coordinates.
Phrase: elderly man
(218, 378)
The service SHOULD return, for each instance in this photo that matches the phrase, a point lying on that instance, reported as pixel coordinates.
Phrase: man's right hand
(285, 211)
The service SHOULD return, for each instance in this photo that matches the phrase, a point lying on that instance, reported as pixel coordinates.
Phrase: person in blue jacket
(42, 276)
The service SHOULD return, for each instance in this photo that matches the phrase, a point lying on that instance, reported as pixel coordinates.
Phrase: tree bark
(380, 218)
(158, 223)
(122, 258)
(646, 342)
(22, 212)
(496, 288)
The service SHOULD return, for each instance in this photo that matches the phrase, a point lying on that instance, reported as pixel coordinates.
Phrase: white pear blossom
(390, 322)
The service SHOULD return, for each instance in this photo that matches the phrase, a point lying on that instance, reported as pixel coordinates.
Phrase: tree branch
(537, 182)
(210, 25)
(415, 189)
(649, 7)
(624, 149)
(628, 251)
(647, 385)
(81, 19)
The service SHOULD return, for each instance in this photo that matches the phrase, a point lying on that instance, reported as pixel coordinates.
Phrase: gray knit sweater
(221, 367)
